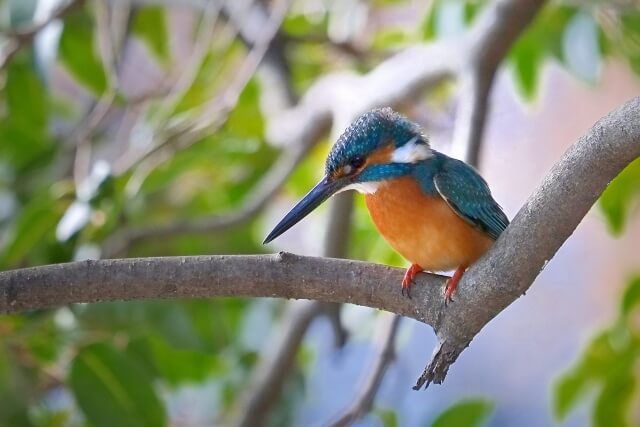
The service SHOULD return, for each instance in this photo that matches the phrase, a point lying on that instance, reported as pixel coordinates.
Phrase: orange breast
(424, 230)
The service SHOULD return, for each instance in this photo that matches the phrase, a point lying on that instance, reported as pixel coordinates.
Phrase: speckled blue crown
(370, 131)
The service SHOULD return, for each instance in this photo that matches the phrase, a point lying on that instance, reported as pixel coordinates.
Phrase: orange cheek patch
(381, 155)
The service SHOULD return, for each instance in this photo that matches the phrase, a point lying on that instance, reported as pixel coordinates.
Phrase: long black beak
(321, 192)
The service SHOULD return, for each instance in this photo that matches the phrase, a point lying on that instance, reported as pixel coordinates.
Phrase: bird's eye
(353, 166)
(357, 163)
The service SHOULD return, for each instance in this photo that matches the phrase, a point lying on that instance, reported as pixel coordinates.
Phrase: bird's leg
(452, 282)
(409, 277)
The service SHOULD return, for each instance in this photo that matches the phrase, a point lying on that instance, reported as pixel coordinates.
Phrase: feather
(469, 196)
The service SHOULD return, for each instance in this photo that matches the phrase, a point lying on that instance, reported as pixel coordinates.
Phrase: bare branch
(281, 275)
(212, 118)
(471, 116)
(489, 42)
(387, 331)
(543, 224)
(499, 278)
(113, 32)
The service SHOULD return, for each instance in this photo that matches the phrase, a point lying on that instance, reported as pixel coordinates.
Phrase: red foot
(452, 283)
(409, 277)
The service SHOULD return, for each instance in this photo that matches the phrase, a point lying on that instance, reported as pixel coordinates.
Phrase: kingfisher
(436, 211)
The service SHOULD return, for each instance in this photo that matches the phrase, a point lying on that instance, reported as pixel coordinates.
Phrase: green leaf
(245, 121)
(542, 39)
(629, 45)
(388, 417)
(468, 413)
(112, 390)
(612, 405)
(429, 23)
(527, 58)
(301, 25)
(567, 391)
(214, 65)
(601, 360)
(24, 141)
(34, 224)
(177, 366)
(150, 25)
(471, 9)
(390, 38)
(631, 296)
(79, 55)
(616, 201)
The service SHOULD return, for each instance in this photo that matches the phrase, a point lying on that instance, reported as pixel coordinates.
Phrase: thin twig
(261, 194)
(111, 52)
(215, 113)
(184, 80)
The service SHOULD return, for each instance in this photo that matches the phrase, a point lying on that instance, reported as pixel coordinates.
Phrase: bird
(434, 210)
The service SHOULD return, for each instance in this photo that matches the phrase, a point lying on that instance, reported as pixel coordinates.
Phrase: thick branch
(543, 224)
(280, 275)
(506, 272)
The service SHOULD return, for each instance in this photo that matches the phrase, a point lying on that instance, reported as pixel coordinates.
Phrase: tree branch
(499, 278)
(541, 226)
(280, 275)
(402, 76)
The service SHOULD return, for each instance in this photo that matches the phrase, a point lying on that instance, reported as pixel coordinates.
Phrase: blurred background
(160, 127)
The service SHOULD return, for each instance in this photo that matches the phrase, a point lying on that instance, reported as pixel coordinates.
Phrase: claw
(452, 283)
(409, 279)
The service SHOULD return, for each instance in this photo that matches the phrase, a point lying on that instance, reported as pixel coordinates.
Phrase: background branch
(402, 76)
(387, 329)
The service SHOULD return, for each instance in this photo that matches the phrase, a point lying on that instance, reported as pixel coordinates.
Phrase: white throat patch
(363, 187)
(411, 152)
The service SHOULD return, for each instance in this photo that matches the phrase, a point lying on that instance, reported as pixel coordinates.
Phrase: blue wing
(469, 196)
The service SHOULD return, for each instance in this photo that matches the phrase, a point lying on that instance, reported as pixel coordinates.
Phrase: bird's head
(380, 145)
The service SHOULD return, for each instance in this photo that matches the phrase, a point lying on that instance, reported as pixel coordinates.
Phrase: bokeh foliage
(131, 363)
(607, 368)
